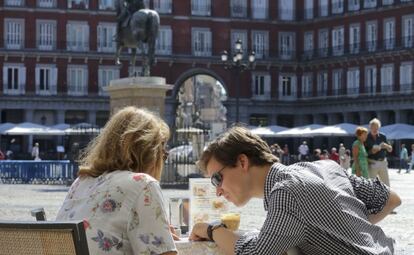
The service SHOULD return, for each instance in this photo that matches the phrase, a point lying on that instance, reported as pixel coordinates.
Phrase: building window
(105, 76)
(387, 78)
(14, 2)
(370, 3)
(337, 6)
(46, 80)
(259, 9)
(408, 28)
(14, 79)
(387, 2)
(286, 45)
(389, 34)
(370, 80)
(77, 80)
(338, 41)
(308, 45)
(308, 9)
(164, 41)
(406, 77)
(46, 35)
(201, 38)
(371, 36)
(14, 33)
(107, 4)
(260, 41)
(259, 120)
(286, 10)
(307, 85)
(46, 3)
(106, 33)
(337, 82)
(287, 87)
(322, 83)
(77, 36)
(238, 8)
(354, 38)
(200, 7)
(323, 8)
(162, 6)
(239, 35)
(260, 86)
(353, 81)
(353, 5)
(78, 4)
(323, 43)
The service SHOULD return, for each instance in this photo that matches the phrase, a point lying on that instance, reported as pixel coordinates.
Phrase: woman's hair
(237, 140)
(133, 140)
(360, 130)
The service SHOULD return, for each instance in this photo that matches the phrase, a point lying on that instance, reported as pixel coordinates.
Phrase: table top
(187, 247)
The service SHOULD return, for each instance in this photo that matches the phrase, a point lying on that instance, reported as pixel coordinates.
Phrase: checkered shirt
(319, 209)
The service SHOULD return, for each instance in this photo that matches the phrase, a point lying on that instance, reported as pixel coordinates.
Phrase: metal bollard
(39, 213)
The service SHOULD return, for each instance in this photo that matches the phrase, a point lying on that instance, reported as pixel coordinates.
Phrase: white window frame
(105, 34)
(353, 81)
(77, 36)
(307, 85)
(162, 6)
(370, 4)
(259, 9)
(287, 45)
(408, 30)
(337, 6)
(14, 39)
(71, 3)
(238, 8)
(323, 45)
(354, 38)
(201, 7)
(107, 5)
(370, 79)
(371, 35)
(308, 44)
(322, 86)
(48, 86)
(389, 33)
(260, 43)
(387, 78)
(308, 6)
(287, 14)
(164, 41)
(18, 82)
(105, 75)
(46, 34)
(46, 3)
(406, 77)
(284, 89)
(201, 41)
(337, 81)
(79, 85)
(261, 83)
(353, 5)
(323, 8)
(338, 39)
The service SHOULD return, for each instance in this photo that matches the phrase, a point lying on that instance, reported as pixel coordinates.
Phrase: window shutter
(4, 77)
(85, 81)
(22, 78)
(37, 78)
(267, 89)
(99, 35)
(85, 37)
(53, 80)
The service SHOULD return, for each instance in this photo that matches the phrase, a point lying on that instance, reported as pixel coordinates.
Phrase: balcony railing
(76, 90)
(46, 3)
(18, 3)
(19, 91)
(238, 11)
(51, 90)
(78, 4)
(201, 9)
(77, 46)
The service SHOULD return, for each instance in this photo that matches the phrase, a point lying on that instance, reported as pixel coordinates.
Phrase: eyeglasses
(217, 178)
(165, 154)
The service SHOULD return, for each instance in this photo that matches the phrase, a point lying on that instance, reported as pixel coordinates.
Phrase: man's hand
(199, 232)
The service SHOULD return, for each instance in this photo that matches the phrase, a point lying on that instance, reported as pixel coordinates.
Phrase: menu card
(205, 206)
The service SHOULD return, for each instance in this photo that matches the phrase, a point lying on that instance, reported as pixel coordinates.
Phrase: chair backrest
(43, 238)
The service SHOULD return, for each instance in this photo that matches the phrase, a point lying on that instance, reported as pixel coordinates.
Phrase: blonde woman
(117, 192)
(359, 154)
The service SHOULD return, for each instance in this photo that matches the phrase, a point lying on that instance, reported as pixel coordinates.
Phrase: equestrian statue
(136, 26)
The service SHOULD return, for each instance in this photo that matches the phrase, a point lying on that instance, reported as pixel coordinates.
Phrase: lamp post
(236, 62)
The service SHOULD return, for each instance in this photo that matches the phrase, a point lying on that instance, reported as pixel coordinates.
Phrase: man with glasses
(316, 207)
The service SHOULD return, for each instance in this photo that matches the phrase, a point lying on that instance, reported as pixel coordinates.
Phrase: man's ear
(244, 161)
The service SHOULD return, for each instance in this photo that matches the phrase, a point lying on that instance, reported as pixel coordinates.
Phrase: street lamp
(235, 61)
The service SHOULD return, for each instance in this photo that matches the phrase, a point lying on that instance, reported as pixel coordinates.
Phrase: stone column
(28, 117)
(60, 116)
(143, 92)
(92, 117)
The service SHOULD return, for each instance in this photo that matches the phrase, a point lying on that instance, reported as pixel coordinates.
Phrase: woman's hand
(199, 232)
(174, 234)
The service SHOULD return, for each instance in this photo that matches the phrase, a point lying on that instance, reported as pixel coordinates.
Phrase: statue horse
(139, 29)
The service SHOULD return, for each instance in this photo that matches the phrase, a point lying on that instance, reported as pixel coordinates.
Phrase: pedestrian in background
(359, 154)
(35, 152)
(403, 158)
(341, 152)
(412, 159)
(334, 155)
(286, 155)
(303, 151)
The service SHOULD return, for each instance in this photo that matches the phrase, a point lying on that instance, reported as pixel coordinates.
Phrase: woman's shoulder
(128, 178)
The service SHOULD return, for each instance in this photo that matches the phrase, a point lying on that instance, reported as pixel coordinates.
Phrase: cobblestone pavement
(16, 201)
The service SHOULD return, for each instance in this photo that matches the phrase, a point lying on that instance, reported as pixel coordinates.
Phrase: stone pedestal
(143, 92)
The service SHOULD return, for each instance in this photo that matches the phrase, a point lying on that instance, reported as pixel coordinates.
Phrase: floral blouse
(122, 211)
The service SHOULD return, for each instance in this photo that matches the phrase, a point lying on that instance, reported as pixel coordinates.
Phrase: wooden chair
(43, 238)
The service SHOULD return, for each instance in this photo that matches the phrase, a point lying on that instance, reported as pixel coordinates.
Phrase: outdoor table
(187, 247)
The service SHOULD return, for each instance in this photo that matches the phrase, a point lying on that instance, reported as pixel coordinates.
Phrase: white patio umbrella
(342, 129)
(398, 131)
(191, 130)
(267, 131)
(82, 128)
(303, 131)
(6, 126)
(28, 128)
